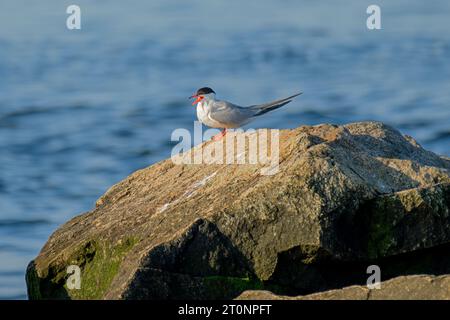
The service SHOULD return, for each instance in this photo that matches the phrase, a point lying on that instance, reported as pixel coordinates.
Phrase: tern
(226, 115)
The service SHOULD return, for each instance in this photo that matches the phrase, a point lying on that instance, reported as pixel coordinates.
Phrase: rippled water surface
(80, 110)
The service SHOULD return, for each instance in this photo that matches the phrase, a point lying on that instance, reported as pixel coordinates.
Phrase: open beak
(197, 100)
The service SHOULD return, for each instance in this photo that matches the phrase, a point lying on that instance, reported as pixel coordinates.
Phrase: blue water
(81, 110)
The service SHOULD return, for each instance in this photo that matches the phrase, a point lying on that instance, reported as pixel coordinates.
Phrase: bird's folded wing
(276, 103)
(230, 114)
(267, 107)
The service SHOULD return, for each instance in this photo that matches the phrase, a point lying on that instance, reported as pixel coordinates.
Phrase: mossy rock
(342, 196)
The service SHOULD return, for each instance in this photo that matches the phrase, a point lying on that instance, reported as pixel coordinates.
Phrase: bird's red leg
(220, 135)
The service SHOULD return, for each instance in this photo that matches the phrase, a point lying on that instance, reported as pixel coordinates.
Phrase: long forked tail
(266, 107)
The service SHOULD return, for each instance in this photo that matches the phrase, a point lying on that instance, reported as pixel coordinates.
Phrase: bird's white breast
(203, 115)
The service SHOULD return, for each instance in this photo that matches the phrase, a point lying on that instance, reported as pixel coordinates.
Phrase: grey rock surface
(344, 197)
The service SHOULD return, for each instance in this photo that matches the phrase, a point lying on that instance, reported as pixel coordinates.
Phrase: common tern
(226, 115)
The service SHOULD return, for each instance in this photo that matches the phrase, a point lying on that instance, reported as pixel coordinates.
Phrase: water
(81, 110)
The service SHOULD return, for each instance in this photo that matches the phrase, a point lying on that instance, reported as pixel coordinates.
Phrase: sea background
(80, 110)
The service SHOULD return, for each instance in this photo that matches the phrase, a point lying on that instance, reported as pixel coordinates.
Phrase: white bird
(226, 115)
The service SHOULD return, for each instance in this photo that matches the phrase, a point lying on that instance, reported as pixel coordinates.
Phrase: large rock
(344, 197)
(417, 287)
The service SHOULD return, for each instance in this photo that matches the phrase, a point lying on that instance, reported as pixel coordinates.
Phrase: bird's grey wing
(230, 114)
(266, 107)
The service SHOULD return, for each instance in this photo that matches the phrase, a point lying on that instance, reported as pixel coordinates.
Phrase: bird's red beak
(197, 100)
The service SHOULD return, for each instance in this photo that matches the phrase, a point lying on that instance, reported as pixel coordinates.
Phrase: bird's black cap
(205, 90)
